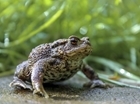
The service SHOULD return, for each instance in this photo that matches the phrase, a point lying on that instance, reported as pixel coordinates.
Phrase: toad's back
(47, 50)
(39, 52)
(57, 65)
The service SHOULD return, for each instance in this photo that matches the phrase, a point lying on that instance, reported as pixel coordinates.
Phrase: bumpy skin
(53, 62)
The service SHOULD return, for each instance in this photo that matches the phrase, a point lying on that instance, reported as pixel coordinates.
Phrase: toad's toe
(96, 83)
(20, 83)
(38, 89)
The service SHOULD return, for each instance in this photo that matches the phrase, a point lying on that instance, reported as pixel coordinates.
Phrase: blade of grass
(106, 79)
(45, 25)
(10, 52)
(114, 66)
(121, 84)
(7, 73)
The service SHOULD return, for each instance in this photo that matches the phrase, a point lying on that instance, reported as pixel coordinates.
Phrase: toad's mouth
(83, 49)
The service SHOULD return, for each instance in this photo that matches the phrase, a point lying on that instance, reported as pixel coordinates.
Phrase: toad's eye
(74, 41)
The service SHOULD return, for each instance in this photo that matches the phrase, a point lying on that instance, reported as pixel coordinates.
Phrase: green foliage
(113, 27)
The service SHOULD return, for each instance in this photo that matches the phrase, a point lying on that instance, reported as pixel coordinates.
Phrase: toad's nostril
(87, 42)
(87, 38)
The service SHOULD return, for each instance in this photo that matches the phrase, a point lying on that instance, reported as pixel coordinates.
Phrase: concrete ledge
(69, 92)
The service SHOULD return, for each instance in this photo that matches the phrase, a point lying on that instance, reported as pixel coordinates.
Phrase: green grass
(113, 27)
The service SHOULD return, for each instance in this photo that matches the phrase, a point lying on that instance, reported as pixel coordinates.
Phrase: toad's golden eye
(74, 41)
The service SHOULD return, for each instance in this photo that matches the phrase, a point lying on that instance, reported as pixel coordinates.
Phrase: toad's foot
(38, 89)
(20, 83)
(96, 83)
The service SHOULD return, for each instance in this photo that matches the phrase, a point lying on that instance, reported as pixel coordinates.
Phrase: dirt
(68, 92)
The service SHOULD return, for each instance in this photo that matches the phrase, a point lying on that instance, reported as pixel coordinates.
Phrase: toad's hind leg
(18, 82)
(20, 79)
(37, 77)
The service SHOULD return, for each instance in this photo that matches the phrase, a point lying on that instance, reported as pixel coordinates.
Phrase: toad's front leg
(95, 81)
(37, 78)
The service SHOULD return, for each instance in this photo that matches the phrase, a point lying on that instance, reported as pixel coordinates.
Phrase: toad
(55, 62)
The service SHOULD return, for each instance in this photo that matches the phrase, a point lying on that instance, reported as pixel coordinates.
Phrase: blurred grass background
(113, 27)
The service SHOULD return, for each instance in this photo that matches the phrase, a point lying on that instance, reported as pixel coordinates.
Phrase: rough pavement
(68, 92)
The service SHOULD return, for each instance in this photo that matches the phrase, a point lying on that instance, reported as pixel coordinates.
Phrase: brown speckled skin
(53, 62)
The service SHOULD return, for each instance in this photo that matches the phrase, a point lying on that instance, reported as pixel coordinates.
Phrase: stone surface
(69, 92)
